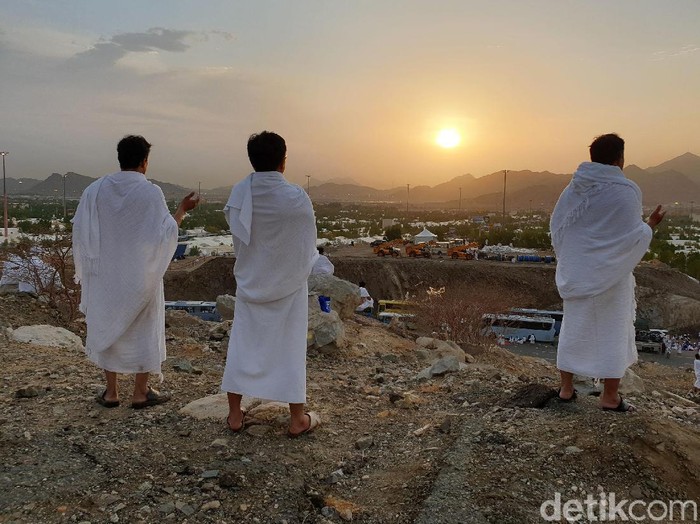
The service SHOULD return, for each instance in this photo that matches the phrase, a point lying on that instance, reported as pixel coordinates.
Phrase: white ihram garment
(274, 237)
(123, 240)
(599, 237)
(697, 373)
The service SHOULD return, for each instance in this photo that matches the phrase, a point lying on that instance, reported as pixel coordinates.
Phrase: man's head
(320, 250)
(608, 149)
(132, 152)
(267, 151)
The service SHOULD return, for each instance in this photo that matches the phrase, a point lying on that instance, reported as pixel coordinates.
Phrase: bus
(556, 315)
(391, 309)
(197, 308)
(520, 326)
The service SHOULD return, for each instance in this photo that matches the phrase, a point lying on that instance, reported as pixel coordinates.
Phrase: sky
(359, 89)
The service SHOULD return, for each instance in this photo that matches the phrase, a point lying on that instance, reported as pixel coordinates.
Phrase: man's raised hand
(189, 202)
(656, 217)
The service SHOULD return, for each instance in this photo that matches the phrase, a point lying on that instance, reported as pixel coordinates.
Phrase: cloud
(682, 51)
(107, 53)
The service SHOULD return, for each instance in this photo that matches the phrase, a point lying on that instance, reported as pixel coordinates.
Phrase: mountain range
(676, 180)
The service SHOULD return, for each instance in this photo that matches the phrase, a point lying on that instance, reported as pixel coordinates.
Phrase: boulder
(214, 407)
(345, 296)
(325, 329)
(225, 305)
(448, 364)
(45, 335)
(631, 383)
(220, 330)
(441, 348)
(182, 319)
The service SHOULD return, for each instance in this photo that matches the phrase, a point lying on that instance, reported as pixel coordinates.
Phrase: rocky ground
(393, 447)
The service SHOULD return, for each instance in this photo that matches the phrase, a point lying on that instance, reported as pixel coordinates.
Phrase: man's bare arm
(656, 217)
(188, 203)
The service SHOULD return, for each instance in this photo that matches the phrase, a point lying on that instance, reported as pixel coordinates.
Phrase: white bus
(520, 326)
(197, 308)
(556, 315)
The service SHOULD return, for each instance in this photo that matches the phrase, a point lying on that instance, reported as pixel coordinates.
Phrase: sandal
(241, 428)
(100, 399)
(622, 407)
(314, 422)
(570, 399)
(153, 398)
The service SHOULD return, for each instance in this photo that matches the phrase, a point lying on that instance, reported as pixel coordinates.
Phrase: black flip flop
(565, 400)
(153, 398)
(100, 399)
(622, 407)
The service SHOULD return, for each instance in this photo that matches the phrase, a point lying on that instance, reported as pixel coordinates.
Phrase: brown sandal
(314, 422)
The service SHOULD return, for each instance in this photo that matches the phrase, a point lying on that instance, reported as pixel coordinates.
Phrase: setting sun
(447, 138)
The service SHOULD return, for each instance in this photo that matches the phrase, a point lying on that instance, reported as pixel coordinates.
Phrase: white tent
(424, 236)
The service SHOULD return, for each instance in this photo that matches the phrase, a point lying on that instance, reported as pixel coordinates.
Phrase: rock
(469, 358)
(572, 450)
(390, 358)
(344, 295)
(105, 499)
(631, 383)
(440, 348)
(45, 335)
(219, 443)
(335, 477)
(531, 396)
(185, 508)
(228, 480)
(28, 392)
(167, 508)
(220, 330)
(446, 426)
(225, 305)
(183, 365)
(212, 504)
(210, 474)
(325, 329)
(448, 364)
(364, 443)
(175, 318)
(213, 407)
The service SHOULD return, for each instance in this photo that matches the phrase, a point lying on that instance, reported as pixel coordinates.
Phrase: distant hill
(677, 180)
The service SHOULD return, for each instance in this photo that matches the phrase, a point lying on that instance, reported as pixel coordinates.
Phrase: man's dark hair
(607, 149)
(266, 151)
(132, 150)
(361, 283)
(320, 250)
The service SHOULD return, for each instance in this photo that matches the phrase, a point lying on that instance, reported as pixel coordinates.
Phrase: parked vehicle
(558, 316)
(389, 248)
(464, 251)
(520, 326)
(396, 309)
(197, 308)
(418, 250)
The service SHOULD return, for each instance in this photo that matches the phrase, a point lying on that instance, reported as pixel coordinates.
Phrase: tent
(424, 236)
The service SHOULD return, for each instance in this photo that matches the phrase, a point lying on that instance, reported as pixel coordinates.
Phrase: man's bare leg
(567, 385)
(299, 421)
(140, 387)
(610, 397)
(235, 415)
(112, 393)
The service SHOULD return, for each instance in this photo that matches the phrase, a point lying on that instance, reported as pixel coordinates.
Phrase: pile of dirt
(658, 285)
(386, 440)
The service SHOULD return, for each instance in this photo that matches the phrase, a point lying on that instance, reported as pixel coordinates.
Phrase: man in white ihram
(123, 240)
(274, 239)
(599, 237)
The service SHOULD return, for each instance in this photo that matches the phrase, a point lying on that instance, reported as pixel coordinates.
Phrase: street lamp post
(460, 199)
(308, 185)
(4, 191)
(65, 212)
(505, 175)
(408, 194)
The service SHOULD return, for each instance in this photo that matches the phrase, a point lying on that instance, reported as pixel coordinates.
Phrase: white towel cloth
(323, 266)
(123, 240)
(274, 237)
(599, 237)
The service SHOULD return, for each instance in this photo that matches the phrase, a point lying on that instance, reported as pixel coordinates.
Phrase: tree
(393, 232)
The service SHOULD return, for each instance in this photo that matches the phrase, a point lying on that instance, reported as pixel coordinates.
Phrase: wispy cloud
(685, 50)
(108, 52)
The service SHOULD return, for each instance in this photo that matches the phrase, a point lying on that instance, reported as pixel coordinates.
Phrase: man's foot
(566, 397)
(622, 406)
(314, 421)
(106, 401)
(236, 426)
(152, 398)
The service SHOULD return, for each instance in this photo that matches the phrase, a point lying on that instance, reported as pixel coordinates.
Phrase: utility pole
(460, 199)
(505, 176)
(408, 194)
(308, 185)
(4, 190)
(691, 210)
(65, 212)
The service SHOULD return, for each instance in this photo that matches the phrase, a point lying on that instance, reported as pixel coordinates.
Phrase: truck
(388, 248)
(418, 250)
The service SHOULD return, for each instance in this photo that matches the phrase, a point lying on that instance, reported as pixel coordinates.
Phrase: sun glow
(448, 138)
